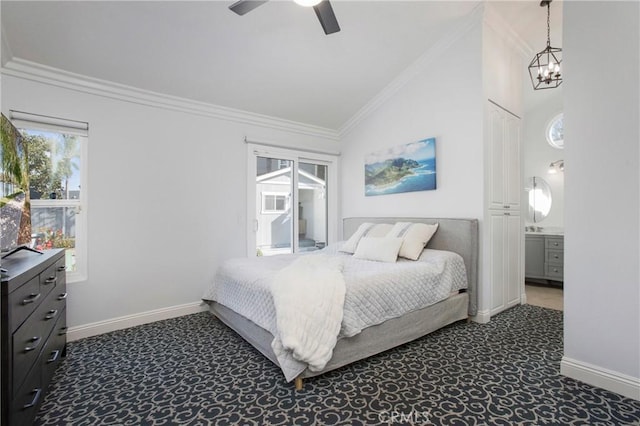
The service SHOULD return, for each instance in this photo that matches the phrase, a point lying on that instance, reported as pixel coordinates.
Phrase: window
(291, 202)
(56, 151)
(275, 202)
(555, 131)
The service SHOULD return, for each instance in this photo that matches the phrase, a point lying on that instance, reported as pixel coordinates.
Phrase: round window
(555, 132)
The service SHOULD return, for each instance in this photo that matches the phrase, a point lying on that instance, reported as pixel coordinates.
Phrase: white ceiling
(276, 60)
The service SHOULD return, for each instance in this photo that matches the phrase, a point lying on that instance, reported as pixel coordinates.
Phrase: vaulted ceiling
(276, 60)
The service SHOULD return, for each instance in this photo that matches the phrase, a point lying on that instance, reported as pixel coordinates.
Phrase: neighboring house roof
(283, 177)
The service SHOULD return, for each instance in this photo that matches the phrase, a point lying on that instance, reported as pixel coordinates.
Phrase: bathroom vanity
(544, 256)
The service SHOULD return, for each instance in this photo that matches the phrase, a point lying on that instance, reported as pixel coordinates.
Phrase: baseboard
(523, 298)
(596, 376)
(482, 317)
(106, 326)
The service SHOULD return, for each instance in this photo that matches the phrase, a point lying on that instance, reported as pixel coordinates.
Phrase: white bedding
(375, 291)
(309, 311)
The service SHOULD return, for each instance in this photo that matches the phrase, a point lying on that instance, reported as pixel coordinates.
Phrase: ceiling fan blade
(245, 6)
(327, 18)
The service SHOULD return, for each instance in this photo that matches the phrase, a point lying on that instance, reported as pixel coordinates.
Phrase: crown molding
(416, 68)
(33, 71)
(6, 54)
(493, 19)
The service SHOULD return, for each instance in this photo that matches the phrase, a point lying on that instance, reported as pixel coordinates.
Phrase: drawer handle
(35, 340)
(62, 296)
(51, 314)
(555, 269)
(63, 331)
(35, 399)
(54, 356)
(61, 268)
(555, 256)
(32, 298)
(51, 280)
(555, 244)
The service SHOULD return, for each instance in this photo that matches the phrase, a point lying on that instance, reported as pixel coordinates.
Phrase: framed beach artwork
(403, 168)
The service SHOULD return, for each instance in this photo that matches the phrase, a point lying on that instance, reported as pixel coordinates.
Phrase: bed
(459, 236)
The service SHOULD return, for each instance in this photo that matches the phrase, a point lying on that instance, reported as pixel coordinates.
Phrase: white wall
(444, 101)
(538, 154)
(166, 197)
(602, 201)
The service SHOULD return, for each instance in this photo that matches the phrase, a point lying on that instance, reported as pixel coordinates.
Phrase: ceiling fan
(323, 9)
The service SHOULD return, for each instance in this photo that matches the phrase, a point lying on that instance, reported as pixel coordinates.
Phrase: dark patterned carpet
(195, 371)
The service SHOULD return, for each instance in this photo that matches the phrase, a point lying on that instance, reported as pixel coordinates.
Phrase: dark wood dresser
(34, 330)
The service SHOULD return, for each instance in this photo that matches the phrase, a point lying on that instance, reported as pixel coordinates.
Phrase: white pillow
(366, 229)
(381, 249)
(379, 230)
(415, 237)
(351, 244)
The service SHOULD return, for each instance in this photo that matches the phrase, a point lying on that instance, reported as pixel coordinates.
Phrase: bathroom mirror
(539, 199)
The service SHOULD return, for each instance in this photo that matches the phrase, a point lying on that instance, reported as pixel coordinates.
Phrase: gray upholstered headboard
(456, 235)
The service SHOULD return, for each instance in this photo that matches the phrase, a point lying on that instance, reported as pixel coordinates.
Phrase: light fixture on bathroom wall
(556, 167)
(544, 69)
(307, 3)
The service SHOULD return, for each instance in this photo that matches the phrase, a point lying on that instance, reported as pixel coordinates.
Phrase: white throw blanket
(308, 296)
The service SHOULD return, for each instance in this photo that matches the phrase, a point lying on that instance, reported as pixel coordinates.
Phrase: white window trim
(255, 150)
(29, 121)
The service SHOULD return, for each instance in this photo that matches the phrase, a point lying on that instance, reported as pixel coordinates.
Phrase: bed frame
(457, 235)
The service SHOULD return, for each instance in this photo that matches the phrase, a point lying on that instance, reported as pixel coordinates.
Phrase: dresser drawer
(48, 279)
(61, 271)
(23, 301)
(27, 399)
(57, 300)
(53, 352)
(554, 243)
(554, 271)
(29, 340)
(555, 257)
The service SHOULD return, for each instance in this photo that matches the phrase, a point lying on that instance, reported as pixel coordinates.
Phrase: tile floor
(544, 295)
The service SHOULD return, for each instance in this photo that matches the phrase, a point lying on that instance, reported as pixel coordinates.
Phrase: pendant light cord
(548, 24)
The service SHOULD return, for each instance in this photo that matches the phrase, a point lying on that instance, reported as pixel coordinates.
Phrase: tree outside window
(55, 190)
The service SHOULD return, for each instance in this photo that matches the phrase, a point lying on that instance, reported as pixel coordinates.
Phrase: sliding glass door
(290, 204)
(274, 199)
(312, 206)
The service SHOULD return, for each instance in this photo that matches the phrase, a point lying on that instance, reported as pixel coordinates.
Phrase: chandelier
(544, 69)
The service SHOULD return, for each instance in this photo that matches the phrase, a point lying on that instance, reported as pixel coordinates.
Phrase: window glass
(555, 132)
(274, 202)
(55, 189)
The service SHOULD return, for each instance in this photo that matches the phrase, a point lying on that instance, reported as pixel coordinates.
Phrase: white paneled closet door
(504, 221)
